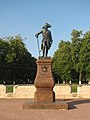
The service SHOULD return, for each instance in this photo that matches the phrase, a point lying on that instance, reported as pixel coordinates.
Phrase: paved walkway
(11, 109)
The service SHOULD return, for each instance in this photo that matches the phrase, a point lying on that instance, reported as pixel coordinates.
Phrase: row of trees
(16, 64)
(71, 61)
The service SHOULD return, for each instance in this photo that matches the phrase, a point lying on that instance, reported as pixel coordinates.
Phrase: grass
(9, 89)
(74, 87)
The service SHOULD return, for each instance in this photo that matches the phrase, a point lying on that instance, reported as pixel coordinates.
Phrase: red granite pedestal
(44, 97)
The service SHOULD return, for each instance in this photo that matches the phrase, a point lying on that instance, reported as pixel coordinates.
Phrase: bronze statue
(46, 40)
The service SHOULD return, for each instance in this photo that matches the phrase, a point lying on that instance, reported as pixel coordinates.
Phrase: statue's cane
(38, 47)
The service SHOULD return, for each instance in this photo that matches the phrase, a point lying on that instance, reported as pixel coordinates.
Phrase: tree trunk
(70, 82)
(80, 77)
(89, 82)
(63, 81)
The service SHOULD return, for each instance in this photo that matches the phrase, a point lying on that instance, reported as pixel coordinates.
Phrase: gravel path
(11, 109)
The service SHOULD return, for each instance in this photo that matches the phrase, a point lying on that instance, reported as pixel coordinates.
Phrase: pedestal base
(46, 105)
(44, 95)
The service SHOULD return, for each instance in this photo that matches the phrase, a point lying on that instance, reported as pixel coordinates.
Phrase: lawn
(74, 87)
(9, 88)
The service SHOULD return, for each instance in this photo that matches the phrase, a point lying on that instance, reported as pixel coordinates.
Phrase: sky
(27, 17)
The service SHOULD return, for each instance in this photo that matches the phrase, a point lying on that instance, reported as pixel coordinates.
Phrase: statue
(46, 40)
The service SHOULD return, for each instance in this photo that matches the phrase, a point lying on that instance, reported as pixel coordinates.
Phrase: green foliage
(3, 50)
(85, 51)
(73, 58)
(16, 63)
(62, 61)
(16, 51)
(9, 89)
(74, 87)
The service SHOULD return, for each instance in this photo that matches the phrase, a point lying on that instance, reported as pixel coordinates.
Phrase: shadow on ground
(72, 104)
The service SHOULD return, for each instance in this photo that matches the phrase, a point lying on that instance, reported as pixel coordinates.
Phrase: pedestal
(44, 97)
(44, 81)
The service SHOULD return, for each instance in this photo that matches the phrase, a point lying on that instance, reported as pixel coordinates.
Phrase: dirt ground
(11, 109)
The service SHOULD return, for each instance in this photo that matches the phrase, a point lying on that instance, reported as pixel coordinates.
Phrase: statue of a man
(46, 40)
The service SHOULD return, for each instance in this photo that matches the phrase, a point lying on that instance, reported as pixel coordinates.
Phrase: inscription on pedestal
(44, 68)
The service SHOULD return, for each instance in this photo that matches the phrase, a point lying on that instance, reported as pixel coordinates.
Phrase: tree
(72, 59)
(85, 54)
(62, 61)
(75, 52)
(3, 50)
(16, 62)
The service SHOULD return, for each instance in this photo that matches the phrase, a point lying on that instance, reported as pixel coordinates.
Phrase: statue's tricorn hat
(46, 26)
